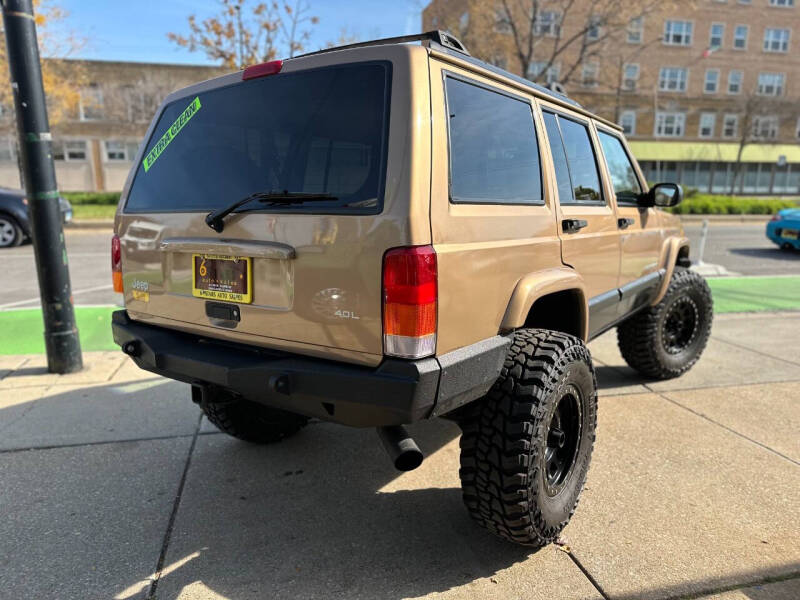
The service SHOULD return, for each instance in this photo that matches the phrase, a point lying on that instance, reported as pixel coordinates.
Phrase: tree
(243, 33)
(545, 36)
(758, 117)
(62, 79)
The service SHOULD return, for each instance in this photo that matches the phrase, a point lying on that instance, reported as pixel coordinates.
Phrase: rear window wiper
(216, 219)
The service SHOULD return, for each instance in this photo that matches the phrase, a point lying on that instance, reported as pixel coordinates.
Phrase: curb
(90, 224)
(728, 219)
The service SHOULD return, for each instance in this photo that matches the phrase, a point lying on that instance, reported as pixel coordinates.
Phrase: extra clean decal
(170, 134)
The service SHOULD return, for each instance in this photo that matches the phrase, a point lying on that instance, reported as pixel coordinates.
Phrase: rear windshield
(321, 131)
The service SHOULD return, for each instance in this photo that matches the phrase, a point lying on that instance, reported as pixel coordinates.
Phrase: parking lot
(114, 488)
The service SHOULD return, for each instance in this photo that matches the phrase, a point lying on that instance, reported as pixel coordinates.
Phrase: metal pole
(702, 249)
(60, 332)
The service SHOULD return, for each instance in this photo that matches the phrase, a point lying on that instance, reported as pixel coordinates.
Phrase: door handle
(624, 223)
(573, 225)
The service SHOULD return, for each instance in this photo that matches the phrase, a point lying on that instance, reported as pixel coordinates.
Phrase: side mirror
(662, 195)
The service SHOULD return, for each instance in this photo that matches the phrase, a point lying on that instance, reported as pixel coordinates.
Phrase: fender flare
(539, 284)
(669, 256)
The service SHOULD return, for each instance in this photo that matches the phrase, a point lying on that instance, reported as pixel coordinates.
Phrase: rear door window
(623, 176)
(494, 154)
(575, 164)
(318, 131)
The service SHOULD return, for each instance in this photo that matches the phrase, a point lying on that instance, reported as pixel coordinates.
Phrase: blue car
(784, 229)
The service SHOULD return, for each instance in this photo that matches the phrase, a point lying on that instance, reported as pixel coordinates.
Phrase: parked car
(784, 229)
(15, 226)
(320, 255)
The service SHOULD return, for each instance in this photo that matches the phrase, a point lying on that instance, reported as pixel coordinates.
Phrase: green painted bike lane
(21, 330)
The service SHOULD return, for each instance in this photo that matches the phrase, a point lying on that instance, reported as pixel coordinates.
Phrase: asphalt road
(739, 248)
(743, 249)
(89, 252)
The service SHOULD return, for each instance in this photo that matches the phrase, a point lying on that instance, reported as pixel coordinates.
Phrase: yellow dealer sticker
(170, 133)
(227, 278)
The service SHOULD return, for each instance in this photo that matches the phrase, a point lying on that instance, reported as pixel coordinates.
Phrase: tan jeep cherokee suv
(388, 232)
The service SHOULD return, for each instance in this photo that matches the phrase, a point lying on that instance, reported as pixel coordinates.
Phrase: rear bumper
(396, 392)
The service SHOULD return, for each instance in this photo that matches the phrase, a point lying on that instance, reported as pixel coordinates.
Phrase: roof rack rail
(439, 37)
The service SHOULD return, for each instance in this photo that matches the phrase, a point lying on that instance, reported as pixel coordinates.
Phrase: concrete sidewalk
(113, 487)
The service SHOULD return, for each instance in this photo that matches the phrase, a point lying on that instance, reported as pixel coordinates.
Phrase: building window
(7, 150)
(670, 124)
(501, 22)
(672, 79)
(730, 126)
(786, 3)
(770, 84)
(594, 30)
(636, 30)
(627, 120)
(548, 22)
(765, 127)
(735, 81)
(707, 122)
(716, 35)
(776, 40)
(589, 74)
(119, 150)
(711, 82)
(740, 37)
(91, 104)
(499, 60)
(538, 67)
(630, 76)
(69, 150)
(678, 33)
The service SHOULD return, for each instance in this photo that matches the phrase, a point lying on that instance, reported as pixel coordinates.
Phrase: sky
(137, 31)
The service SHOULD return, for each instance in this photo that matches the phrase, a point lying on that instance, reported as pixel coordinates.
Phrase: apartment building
(94, 147)
(687, 82)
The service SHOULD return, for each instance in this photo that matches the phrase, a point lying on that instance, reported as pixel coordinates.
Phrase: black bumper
(396, 392)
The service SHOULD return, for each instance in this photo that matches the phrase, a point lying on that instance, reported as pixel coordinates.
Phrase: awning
(714, 152)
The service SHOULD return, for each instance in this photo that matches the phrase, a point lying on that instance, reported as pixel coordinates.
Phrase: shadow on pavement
(768, 253)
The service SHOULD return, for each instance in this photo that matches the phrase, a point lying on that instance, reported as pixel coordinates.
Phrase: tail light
(262, 70)
(409, 302)
(776, 217)
(116, 263)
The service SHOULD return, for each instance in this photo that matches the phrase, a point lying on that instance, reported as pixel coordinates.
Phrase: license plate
(790, 234)
(222, 278)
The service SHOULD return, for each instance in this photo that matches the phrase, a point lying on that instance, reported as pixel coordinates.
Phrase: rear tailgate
(301, 277)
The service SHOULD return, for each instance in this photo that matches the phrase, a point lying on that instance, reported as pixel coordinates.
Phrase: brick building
(685, 82)
(93, 148)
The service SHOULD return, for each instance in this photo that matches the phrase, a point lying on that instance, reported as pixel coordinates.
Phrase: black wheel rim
(680, 325)
(563, 440)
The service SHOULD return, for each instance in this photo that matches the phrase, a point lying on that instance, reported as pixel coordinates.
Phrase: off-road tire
(643, 338)
(253, 422)
(504, 442)
(12, 232)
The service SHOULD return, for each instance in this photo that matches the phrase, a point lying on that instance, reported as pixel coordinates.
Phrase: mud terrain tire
(517, 481)
(665, 340)
(253, 422)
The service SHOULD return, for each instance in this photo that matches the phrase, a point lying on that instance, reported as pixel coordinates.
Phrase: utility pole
(60, 332)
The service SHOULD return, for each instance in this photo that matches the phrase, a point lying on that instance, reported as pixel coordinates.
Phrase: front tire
(253, 422)
(526, 447)
(665, 340)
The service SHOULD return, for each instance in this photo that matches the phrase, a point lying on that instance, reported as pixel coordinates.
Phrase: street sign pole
(60, 332)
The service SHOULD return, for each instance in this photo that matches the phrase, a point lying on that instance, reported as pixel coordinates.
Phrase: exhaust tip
(401, 448)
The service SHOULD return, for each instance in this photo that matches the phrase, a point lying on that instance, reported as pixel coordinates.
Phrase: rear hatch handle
(229, 247)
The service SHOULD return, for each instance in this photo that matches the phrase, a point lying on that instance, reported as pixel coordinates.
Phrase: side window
(494, 155)
(574, 158)
(623, 175)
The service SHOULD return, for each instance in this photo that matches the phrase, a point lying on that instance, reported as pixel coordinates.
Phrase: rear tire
(10, 232)
(526, 447)
(253, 422)
(665, 340)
